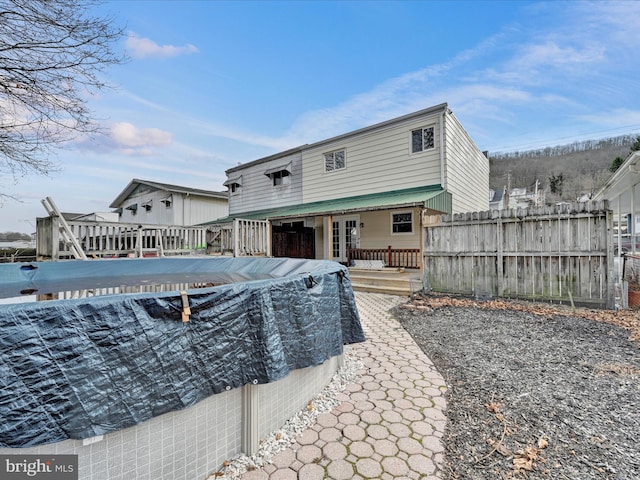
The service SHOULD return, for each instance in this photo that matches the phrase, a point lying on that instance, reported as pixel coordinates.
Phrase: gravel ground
(535, 392)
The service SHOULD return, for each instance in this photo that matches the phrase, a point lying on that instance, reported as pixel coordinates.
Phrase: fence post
(389, 256)
(499, 257)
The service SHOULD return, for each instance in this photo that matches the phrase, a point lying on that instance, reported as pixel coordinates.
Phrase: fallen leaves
(524, 459)
(627, 319)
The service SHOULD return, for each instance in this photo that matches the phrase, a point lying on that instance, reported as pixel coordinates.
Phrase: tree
(555, 183)
(52, 53)
(615, 165)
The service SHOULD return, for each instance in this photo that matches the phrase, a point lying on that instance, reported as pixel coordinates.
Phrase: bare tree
(52, 56)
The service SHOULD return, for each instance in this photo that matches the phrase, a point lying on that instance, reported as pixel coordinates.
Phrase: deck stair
(392, 281)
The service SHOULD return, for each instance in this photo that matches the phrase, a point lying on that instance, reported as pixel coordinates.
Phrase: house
(366, 189)
(622, 190)
(518, 197)
(496, 198)
(148, 202)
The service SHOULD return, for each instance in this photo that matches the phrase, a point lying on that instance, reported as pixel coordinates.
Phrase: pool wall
(191, 443)
(167, 382)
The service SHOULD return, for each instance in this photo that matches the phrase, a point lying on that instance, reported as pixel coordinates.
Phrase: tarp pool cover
(84, 367)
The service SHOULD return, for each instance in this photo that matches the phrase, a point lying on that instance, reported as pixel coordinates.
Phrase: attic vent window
(132, 208)
(167, 201)
(422, 139)
(279, 175)
(233, 184)
(147, 205)
(335, 161)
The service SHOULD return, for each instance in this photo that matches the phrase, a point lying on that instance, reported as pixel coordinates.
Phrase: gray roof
(165, 187)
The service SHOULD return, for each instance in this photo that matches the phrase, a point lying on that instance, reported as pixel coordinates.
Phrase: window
(334, 161)
(280, 178)
(167, 201)
(132, 208)
(422, 139)
(402, 222)
(233, 184)
(148, 206)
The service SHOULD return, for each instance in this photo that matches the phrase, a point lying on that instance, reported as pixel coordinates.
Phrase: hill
(584, 166)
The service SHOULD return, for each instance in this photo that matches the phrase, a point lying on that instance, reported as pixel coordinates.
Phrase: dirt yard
(535, 391)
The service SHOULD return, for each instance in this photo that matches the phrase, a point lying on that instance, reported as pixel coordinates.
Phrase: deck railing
(391, 257)
(109, 239)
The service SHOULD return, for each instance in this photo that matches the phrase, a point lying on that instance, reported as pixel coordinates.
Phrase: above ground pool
(93, 358)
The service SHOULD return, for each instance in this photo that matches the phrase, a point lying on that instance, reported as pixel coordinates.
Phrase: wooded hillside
(582, 167)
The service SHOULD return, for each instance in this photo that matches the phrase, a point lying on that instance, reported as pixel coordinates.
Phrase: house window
(280, 178)
(422, 139)
(133, 208)
(402, 222)
(147, 206)
(334, 161)
(233, 184)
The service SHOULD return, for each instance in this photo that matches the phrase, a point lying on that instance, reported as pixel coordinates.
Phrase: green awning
(432, 198)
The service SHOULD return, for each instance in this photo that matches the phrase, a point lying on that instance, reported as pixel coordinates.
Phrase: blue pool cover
(73, 369)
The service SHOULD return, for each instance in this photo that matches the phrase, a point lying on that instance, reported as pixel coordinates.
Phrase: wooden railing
(108, 239)
(392, 257)
(111, 239)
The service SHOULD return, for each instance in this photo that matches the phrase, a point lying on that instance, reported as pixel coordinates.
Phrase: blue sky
(210, 84)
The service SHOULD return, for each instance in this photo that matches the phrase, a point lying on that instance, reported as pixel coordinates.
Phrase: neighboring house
(365, 189)
(153, 203)
(518, 197)
(496, 198)
(622, 190)
(97, 217)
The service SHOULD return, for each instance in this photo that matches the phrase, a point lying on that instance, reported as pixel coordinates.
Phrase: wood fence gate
(558, 253)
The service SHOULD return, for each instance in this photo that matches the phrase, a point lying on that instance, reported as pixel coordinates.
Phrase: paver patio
(390, 422)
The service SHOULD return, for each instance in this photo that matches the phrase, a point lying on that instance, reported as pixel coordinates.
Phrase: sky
(211, 84)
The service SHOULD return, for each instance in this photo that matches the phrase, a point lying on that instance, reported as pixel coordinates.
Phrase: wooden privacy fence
(556, 253)
(392, 257)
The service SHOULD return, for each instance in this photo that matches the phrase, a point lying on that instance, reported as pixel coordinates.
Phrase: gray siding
(376, 161)
(467, 169)
(258, 192)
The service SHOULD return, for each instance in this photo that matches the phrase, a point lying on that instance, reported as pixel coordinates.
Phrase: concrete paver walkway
(389, 424)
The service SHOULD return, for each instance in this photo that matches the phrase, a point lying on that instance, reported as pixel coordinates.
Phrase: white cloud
(618, 118)
(128, 135)
(139, 47)
(126, 139)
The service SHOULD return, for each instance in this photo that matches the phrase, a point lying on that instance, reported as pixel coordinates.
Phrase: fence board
(558, 253)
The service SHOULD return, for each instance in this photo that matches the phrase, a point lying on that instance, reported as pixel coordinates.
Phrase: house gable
(143, 201)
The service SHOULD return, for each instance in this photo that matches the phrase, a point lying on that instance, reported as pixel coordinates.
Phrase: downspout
(442, 176)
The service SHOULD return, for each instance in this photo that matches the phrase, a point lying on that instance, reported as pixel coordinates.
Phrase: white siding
(184, 210)
(467, 169)
(376, 161)
(258, 192)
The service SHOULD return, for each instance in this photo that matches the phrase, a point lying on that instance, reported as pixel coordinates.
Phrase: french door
(346, 234)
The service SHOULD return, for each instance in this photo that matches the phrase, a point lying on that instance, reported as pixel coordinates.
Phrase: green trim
(431, 197)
